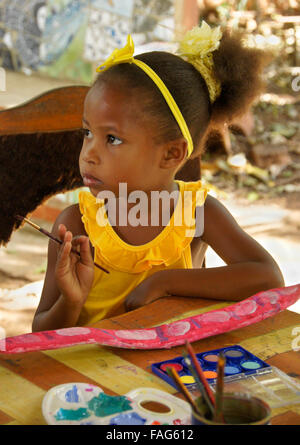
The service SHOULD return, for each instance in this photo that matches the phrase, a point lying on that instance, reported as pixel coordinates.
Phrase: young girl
(144, 119)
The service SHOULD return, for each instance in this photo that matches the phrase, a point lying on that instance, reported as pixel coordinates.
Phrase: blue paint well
(231, 370)
(128, 419)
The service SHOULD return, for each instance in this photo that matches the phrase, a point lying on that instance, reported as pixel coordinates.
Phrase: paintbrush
(45, 232)
(182, 389)
(218, 414)
(200, 373)
(204, 399)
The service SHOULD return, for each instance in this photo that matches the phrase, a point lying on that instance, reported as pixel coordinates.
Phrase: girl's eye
(86, 133)
(113, 140)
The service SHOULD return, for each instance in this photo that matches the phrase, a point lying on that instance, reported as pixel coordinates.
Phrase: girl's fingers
(85, 251)
(79, 243)
(62, 231)
(76, 242)
(64, 255)
(65, 248)
(68, 236)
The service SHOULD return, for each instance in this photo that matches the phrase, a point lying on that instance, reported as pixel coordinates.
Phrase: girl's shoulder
(219, 224)
(212, 204)
(216, 215)
(71, 218)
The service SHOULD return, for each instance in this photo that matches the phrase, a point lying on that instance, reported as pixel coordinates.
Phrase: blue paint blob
(128, 419)
(230, 370)
(72, 395)
(72, 414)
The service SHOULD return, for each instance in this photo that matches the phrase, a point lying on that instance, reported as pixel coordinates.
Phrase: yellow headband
(196, 46)
(125, 55)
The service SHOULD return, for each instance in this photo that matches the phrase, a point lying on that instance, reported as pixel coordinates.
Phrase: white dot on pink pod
(29, 338)
(213, 317)
(245, 308)
(178, 328)
(69, 332)
(136, 334)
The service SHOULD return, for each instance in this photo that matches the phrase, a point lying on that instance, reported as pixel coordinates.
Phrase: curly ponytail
(239, 69)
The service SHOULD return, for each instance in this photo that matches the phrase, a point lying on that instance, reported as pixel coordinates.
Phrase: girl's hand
(149, 290)
(74, 275)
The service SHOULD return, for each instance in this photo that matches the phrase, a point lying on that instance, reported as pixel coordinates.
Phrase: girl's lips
(89, 180)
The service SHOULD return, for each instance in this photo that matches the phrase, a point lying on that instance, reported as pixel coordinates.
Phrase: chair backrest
(40, 142)
(56, 110)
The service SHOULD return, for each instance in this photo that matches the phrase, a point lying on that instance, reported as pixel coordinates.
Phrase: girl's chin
(96, 188)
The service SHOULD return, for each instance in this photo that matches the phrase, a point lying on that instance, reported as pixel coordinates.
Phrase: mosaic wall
(64, 38)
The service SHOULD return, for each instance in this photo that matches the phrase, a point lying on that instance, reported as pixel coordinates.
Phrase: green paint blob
(72, 414)
(104, 405)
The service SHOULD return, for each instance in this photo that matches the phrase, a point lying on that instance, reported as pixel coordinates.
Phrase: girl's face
(118, 144)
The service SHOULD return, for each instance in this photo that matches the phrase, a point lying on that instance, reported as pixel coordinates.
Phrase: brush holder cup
(239, 409)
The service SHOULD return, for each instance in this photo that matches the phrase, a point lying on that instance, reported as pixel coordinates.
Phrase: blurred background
(253, 166)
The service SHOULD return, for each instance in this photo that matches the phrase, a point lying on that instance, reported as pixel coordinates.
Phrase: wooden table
(25, 378)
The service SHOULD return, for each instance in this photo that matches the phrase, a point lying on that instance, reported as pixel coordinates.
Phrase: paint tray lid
(271, 385)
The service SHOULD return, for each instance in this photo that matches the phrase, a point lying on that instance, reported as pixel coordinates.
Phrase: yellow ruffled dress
(129, 265)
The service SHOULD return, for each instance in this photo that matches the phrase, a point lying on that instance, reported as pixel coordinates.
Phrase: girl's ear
(174, 153)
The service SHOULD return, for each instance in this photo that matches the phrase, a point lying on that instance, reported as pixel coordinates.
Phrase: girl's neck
(150, 210)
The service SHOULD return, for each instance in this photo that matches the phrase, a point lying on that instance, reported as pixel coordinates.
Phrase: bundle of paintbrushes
(206, 404)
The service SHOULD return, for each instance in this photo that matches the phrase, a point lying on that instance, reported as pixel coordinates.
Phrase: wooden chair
(40, 143)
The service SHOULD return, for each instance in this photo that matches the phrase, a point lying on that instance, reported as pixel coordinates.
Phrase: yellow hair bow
(125, 55)
(197, 47)
(122, 55)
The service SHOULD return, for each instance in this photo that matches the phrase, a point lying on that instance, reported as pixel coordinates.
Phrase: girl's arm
(63, 296)
(250, 268)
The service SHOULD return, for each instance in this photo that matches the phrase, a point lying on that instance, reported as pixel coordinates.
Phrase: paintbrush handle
(218, 414)
(182, 389)
(200, 385)
(200, 373)
(57, 240)
(45, 232)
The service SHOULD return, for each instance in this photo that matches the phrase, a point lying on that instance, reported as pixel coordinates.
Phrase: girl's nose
(89, 153)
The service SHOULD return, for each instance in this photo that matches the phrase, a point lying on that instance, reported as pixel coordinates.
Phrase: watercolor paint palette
(239, 362)
(244, 372)
(85, 404)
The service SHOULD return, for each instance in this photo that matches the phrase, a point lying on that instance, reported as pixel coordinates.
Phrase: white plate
(69, 396)
(75, 397)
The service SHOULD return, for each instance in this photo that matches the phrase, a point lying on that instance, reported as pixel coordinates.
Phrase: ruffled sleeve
(165, 249)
